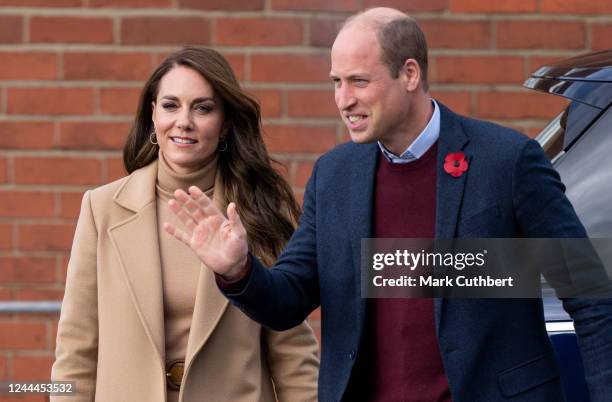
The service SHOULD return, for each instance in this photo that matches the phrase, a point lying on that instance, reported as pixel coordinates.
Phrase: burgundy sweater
(400, 358)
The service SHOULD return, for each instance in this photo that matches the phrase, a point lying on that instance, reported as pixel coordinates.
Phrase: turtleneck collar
(168, 180)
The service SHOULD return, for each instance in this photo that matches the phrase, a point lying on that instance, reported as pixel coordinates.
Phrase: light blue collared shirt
(421, 144)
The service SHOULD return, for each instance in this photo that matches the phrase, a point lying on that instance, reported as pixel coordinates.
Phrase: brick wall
(71, 70)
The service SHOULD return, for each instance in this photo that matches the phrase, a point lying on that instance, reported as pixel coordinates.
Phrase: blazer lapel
(362, 181)
(210, 304)
(136, 243)
(449, 189)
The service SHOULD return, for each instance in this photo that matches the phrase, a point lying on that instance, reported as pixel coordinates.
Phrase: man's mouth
(356, 118)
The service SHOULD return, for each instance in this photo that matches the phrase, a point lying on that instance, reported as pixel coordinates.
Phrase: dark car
(579, 143)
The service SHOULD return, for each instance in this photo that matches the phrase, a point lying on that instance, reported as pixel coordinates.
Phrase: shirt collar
(421, 144)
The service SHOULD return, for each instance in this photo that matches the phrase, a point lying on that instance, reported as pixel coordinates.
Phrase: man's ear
(410, 74)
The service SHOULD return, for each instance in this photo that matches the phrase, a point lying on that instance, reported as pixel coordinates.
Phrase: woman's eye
(203, 108)
(168, 106)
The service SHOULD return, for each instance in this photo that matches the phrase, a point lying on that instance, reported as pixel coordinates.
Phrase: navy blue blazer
(492, 349)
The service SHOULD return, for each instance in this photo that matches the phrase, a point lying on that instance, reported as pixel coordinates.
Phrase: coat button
(352, 354)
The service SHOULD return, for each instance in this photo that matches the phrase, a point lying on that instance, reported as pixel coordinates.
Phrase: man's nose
(345, 99)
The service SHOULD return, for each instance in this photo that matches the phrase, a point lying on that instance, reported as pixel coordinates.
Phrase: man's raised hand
(219, 242)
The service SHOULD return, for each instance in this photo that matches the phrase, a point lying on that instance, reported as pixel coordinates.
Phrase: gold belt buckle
(174, 373)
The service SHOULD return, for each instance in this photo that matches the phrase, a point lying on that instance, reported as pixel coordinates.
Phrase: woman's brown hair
(264, 199)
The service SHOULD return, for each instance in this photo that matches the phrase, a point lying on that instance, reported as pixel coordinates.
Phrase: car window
(586, 171)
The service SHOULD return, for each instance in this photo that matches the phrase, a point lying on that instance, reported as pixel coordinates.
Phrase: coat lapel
(449, 190)
(362, 181)
(210, 304)
(136, 243)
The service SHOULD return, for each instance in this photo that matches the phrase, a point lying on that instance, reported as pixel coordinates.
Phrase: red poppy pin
(455, 164)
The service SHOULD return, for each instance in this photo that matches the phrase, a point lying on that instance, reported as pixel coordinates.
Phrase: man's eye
(361, 82)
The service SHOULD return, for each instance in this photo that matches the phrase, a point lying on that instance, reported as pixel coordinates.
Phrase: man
(391, 182)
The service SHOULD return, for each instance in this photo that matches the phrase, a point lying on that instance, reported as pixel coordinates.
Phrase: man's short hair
(401, 39)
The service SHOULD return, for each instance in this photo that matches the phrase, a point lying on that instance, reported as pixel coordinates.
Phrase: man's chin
(361, 137)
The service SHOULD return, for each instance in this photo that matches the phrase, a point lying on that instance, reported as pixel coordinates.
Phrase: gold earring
(153, 138)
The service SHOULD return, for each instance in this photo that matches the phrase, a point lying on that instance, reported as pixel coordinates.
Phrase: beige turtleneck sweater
(180, 265)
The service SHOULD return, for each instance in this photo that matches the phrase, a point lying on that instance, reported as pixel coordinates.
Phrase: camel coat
(110, 337)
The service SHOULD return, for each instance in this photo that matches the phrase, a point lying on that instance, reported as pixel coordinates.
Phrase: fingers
(182, 214)
(177, 233)
(233, 217)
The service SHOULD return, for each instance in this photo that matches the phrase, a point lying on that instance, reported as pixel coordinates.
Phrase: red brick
(238, 63)
(50, 101)
(315, 315)
(3, 170)
(480, 69)
(323, 31)
(535, 62)
(71, 30)
(39, 294)
(30, 368)
(290, 67)
(457, 34)
(59, 170)
(408, 5)
(300, 138)
(64, 268)
(46, 237)
(4, 368)
(5, 294)
(11, 29)
(70, 204)
(152, 4)
(53, 335)
(165, 31)
(41, 3)
(92, 135)
(492, 6)
(303, 170)
(316, 5)
(28, 66)
(541, 34)
(107, 66)
(26, 135)
(269, 101)
(576, 6)
(601, 36)
(14, 335)
(259, 31)
(6, 236)
(26, 204)
(518, 105)
(115, 168)
(223, 5)
(459, 101)
(27, 270)
(119, 101)
(312, 103)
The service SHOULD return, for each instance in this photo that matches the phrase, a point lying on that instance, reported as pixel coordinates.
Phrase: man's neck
(421, 113)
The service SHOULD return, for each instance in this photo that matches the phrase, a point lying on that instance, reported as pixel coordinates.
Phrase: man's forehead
(353, 51)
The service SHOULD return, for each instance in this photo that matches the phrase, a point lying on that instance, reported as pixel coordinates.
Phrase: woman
(142, 320)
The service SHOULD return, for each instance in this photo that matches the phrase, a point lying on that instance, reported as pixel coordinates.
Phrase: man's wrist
(238, 272)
